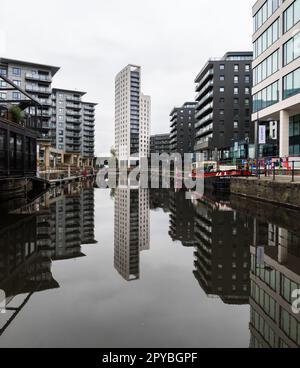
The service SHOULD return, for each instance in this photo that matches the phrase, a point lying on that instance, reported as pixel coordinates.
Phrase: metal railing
(276, 168)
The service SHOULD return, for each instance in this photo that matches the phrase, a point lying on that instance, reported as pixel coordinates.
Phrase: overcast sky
(92, 40)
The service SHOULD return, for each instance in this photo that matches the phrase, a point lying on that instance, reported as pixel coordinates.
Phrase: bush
(17, 115)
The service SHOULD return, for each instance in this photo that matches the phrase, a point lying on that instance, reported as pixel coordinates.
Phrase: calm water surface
(85, 267)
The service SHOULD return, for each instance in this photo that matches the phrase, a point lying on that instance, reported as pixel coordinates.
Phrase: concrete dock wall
(283, 193)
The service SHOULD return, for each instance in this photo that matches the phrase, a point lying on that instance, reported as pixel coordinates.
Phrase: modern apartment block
(36, 80)
(224, 105)
(182, 135)
(276, 70)
(73, 123)
(132, 117)
(160, 143)
(65, 123)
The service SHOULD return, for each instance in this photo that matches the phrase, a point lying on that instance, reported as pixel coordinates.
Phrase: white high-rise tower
(132, 116)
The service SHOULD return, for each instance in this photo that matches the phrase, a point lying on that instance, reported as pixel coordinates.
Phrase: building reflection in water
(222, 255)
(182, 218)
(131, 229)
(275, 274)
(52, 228)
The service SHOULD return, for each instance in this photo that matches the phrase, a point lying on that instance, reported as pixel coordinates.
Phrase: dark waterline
(148, 268)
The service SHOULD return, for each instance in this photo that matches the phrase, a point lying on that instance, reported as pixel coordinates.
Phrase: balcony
(38, 77)
(73, 113)
(37, 89)
(74, 106)
(72, 120)
(204, 121)
(204, 131)
(209, 96)
(207, 87)
(72, 98)
(204, 110)
(208, 75)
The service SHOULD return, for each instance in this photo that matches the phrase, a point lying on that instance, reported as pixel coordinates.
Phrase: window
(291, 49)
(247, 91)
(3, 71)
(235, 124)
(267, 39)
(17, 83)
(2, 96)
(16, 95)
(236, 67)
(16, 71)
(236, 90)
(291, 84)
(236, 79)
(291, 16)
(265, 12)
(247, 79)
(247, 68)
(222, 66)
(222, 78)
(236, 101)
(222, 89)
(266, 68)
(266, 97)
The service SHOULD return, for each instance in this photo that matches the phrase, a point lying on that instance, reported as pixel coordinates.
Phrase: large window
(291, 84)
(294, 133)
(264, 13)
(268, 67)
(291, 49)
(266, 97)
(267, 39)
(291, 16)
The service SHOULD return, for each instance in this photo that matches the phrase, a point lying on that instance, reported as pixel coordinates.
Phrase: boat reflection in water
(52, 228)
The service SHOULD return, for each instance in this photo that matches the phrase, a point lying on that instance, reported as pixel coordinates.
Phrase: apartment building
(132, 117)
(276, 70)
(160, 143)
(182, 135)
(224, 105)
(36, 80)
(73, 123)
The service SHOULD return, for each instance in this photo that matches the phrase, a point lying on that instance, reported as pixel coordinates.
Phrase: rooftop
(81, 93)
(229, 56)
(53, 69)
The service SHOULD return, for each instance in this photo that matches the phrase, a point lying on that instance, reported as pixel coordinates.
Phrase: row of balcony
(204, 110)
(208, 86)
(205, 99)
(38, 89)
(38, 77)
(204, 120)
(209, 74)
(205, 130)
